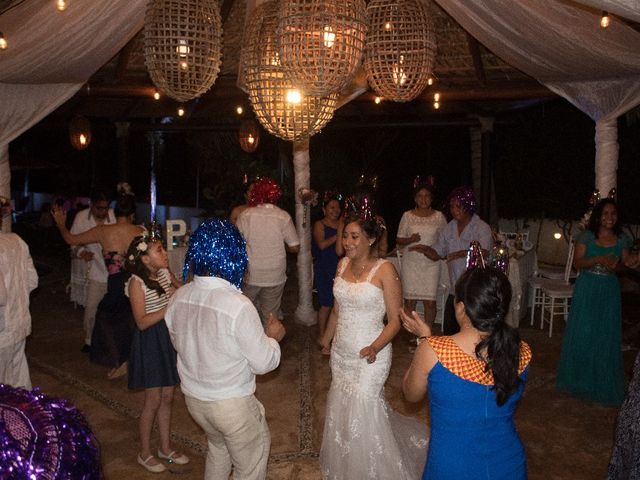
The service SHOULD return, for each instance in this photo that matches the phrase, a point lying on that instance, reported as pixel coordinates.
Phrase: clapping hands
(274, 328)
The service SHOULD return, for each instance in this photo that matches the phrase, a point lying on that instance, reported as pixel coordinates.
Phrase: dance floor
(564, 438)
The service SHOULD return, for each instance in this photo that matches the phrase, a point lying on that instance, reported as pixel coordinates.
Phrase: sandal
(157, 468)
(174, 457)
(121, 371)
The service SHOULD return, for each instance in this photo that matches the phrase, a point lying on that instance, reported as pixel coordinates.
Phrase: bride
(363, 437)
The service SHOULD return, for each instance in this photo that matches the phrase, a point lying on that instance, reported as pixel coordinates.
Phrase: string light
(557, 236)
(3, 42)
(294, 96)
(436, 105)
(156, 95)
(184, 65)
(436, 97)
(62, 5)
(239, 110)
(387, 26)
(430, 81)
(377, 100)
(328, 37)
(605, 20)
(181, 112)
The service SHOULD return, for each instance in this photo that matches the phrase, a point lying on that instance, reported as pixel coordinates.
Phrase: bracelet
(419, 339)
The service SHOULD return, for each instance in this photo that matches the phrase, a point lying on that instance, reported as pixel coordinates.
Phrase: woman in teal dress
(475, 379)
(591, 360)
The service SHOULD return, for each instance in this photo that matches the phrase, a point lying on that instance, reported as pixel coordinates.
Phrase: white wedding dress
(363, 437)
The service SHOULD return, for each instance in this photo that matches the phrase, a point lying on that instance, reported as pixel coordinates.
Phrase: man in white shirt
(91, 279)
(19, 278)
(221, 347)
(270, 233)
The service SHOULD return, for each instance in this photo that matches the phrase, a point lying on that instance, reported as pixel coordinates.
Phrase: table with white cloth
(176, 260)
(522, 266)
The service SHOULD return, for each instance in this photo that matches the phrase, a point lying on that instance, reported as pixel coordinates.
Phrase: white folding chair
(557, 294)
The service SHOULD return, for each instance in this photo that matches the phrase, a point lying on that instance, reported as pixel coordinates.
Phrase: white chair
(557, 294)
(557, 273)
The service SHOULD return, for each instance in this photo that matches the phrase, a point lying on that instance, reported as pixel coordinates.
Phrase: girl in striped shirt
(152, 363)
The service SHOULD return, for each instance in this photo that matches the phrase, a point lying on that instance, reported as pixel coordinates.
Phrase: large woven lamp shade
(182, 46)
(282, 109)
(79, 132)
(321, 42)
(401, 48)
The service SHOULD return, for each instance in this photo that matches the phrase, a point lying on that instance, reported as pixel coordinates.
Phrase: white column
(5, 181)
(606, 155)
(305, 314)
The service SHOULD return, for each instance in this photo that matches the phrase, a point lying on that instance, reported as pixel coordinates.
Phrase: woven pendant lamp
(182, 46)
(281, 108)
(321, 42)
(401, 48)
(249, 136)
(80, 132)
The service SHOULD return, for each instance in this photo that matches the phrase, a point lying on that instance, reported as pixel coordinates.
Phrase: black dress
(625, 460)
(153, 359)
(111, 338)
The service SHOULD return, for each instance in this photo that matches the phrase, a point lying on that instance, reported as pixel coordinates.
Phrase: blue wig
(216, 249)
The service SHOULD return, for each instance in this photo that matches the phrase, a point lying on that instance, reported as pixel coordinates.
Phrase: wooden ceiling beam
(474, 51)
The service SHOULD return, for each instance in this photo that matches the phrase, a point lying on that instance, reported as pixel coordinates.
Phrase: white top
(220, 340)
(19, 277)
(82, 222)
(266, 228)
(152, 300)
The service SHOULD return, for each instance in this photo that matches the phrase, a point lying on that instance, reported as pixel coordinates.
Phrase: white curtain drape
(51, 54)
(560, 44)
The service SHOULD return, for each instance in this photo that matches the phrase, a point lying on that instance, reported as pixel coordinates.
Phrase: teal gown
(591, 359)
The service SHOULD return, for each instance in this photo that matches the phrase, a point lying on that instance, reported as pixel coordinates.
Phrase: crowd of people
(217, 332)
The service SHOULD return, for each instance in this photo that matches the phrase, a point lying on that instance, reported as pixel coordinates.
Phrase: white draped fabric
(51, 55)
(560, 44)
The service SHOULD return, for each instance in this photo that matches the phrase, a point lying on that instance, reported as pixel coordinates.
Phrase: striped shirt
(152, 301)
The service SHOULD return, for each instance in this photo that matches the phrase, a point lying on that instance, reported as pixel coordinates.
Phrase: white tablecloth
(521, 269)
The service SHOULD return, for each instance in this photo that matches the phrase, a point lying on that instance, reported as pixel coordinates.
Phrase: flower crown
(141, 248)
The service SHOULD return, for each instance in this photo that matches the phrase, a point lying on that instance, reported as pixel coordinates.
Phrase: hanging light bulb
(430, 81)
(328, 37)
(239, 109)
(184, 65)
(399, 77)
(377, 100)
(156, 95)
(605, 20)
(181, 112)
(436, 105)
(3, 42)
(388, 26)
(251, 139)
(436, 97)
(182, 49)
(294, 96)
(62, 5)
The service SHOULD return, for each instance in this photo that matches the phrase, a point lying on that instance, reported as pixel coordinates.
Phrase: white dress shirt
(220, 340)
(266, 228)
(20, 277)
(82, 222)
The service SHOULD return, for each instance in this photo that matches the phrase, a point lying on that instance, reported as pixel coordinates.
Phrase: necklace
(357, 277)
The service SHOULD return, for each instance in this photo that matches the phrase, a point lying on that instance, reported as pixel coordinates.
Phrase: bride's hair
(372, 227)
(486, 294)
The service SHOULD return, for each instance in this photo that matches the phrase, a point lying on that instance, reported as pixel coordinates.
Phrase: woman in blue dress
(474, 379)
(591, 359)
(325, 259)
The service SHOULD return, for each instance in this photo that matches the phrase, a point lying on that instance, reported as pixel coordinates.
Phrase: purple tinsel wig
(465, 197)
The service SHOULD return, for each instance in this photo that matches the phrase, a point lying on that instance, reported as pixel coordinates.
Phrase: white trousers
(94, 294)
(237, 434)
(14, 370)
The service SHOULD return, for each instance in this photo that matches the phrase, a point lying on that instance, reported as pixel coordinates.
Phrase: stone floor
(564, 438)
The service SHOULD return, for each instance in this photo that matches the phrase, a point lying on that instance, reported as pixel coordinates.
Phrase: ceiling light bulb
(328, 36)
(436, 105)
(387, 26)
(251, 139)
(377, 100)
(184, 65)
(605, 20)
(180, 112)
(83, 139)
(62, 5)
(182, 49)
(294, 96)
(239, 110)
(436, 97)
(430, 81)
(557, 236)
(3, 42)
(156, 95)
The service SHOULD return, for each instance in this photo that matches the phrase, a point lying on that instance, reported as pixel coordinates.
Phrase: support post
(607, 149)
(305, 314)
